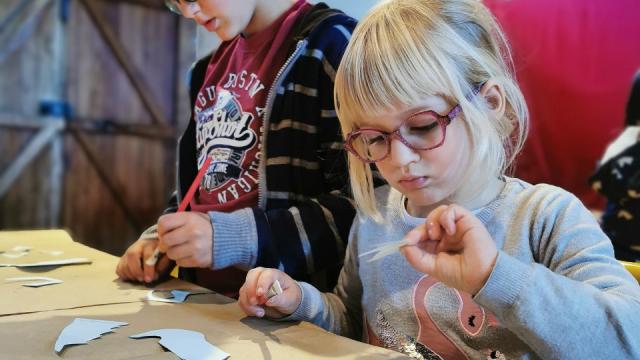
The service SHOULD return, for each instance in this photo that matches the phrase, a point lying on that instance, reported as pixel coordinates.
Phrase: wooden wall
(69, 60)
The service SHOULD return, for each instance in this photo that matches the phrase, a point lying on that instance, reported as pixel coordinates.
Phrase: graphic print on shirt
(224, 133)
(439, 312)
(470, 318)
(229, 134)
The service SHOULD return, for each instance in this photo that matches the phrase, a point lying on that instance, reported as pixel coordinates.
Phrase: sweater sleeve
(339, 312)
(306, 241)
(575, 301)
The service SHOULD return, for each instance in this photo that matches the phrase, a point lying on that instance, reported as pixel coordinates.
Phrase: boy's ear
(495, 97)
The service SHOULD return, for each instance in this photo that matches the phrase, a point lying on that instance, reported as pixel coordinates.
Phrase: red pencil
(153, 259)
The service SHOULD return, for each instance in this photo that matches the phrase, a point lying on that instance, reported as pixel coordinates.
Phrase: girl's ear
(495, 97)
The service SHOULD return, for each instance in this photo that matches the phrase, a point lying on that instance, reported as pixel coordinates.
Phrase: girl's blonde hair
(404, 50)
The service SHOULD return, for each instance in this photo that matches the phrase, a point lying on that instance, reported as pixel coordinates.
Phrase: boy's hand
(132, 267)
(453, 246)
(186, 238)
(253, 294)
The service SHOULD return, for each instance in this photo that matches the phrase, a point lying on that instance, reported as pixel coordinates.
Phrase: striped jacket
(302, 220)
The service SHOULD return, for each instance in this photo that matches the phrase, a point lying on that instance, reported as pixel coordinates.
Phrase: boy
(263, 112)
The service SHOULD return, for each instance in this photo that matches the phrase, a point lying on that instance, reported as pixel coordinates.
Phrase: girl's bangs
(389, 68)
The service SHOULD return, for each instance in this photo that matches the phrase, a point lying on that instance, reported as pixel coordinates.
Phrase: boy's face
(225, 18)
(427, 178)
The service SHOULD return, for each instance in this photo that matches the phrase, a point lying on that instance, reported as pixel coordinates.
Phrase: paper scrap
(384, 250)
(274, 289)
(16, 252)
(71, 261)
(52, 252)
(173, 296)
(21, 248)
(14, 255)
(39, 280)
(81, 330)
(186, 344)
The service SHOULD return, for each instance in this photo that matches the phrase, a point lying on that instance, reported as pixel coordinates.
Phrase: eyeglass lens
(421, 131)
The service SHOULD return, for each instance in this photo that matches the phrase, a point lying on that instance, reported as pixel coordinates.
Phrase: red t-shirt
(228, 114)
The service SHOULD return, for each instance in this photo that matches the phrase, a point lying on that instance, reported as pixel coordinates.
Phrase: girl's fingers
(250, 284)
(264, 282)
(421, 260)
(417, 234)
(246, 306)
(447, 220)
(253, 294)
(434, 230)
(435, 222)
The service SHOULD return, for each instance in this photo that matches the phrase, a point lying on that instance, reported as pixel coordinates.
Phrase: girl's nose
(401, 154)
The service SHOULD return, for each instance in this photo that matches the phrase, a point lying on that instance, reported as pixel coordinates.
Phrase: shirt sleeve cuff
(235, 239)
(310, 304)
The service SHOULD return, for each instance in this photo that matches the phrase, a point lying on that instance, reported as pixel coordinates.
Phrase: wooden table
(31, 318)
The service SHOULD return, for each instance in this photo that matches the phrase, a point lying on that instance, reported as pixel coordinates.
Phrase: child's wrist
(487, 274)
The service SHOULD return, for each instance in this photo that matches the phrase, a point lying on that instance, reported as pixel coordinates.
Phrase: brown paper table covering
(83, 285)
(32, 336)
(32, 318)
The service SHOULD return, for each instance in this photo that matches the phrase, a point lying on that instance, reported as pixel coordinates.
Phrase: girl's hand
(454, 247)
(253, 294)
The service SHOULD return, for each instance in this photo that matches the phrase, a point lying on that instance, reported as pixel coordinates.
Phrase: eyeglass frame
(443, 122)
(172, 5)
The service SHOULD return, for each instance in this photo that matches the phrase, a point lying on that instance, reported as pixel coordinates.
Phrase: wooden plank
(93, 126)
(138, 156)
(33, 148)
(113, 189)
(130, 70)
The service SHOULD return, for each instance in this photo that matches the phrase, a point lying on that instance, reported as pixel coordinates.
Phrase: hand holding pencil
(185, 237)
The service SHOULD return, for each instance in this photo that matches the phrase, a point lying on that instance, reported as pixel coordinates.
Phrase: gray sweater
(556, 291)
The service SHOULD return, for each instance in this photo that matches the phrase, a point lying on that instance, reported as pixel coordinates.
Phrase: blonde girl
(489, 266)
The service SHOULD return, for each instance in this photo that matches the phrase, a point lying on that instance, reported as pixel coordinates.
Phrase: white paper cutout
(384, 250)
(176, 296)
(21, 248)
(52, 252)
(274, 289)
(72, 261)
(81, 330)
(39, 280)
(14, 255)
(186, 344)
(16, 252)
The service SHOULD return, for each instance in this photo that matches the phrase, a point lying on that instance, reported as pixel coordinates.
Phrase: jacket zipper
(262, 176)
